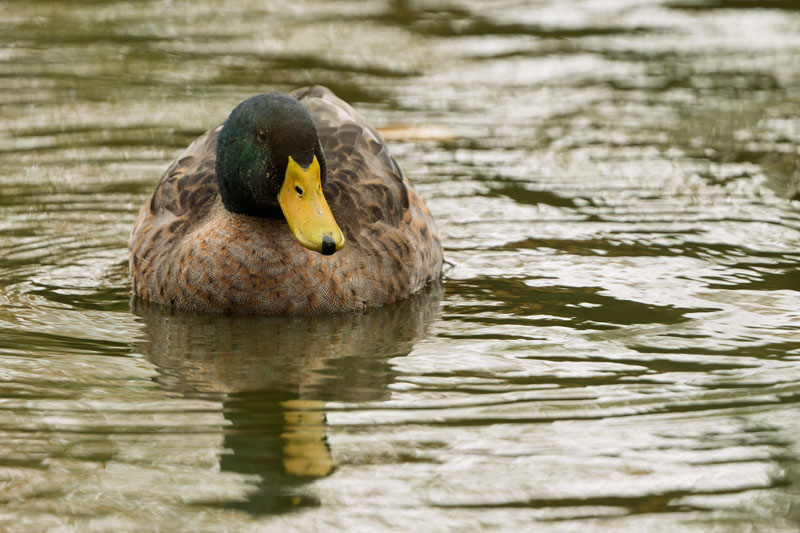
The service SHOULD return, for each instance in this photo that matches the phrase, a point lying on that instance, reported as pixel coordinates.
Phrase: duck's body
(189, 248)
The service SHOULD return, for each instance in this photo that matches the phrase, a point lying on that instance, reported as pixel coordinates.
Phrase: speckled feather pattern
(189, 252)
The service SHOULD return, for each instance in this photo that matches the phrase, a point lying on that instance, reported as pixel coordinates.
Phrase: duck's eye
(262, 136)
(298, 190)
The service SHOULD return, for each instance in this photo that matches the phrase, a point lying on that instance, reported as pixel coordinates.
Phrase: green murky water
(615, 348)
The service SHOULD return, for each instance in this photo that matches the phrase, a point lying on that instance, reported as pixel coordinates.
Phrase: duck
(293, 206)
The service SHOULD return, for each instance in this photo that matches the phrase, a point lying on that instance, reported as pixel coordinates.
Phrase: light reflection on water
(614, 348)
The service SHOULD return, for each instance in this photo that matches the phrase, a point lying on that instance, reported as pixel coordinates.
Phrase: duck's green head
(270, 163)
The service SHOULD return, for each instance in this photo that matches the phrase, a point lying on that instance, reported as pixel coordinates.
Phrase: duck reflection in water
(274, 376)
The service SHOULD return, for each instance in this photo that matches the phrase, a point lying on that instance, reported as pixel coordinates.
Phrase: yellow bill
(306, 210)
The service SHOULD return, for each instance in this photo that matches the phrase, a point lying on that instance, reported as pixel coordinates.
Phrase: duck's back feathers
(188, 251)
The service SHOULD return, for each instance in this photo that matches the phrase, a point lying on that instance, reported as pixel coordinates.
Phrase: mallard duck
(293, 206)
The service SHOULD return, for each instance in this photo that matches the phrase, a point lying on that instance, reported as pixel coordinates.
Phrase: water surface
(615, 347)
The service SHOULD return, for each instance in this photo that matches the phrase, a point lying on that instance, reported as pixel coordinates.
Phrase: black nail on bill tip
(328, 246)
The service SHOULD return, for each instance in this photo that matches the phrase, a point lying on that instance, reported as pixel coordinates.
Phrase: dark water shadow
(448, 20)
(484, 298)
(273, 376)
(788, 5)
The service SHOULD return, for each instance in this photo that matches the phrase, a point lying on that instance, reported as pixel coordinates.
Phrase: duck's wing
(190, 183)
(364, 185)
(187, 189)
(181, 200)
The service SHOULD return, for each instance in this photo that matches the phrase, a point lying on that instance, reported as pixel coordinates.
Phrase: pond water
(615, 345)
